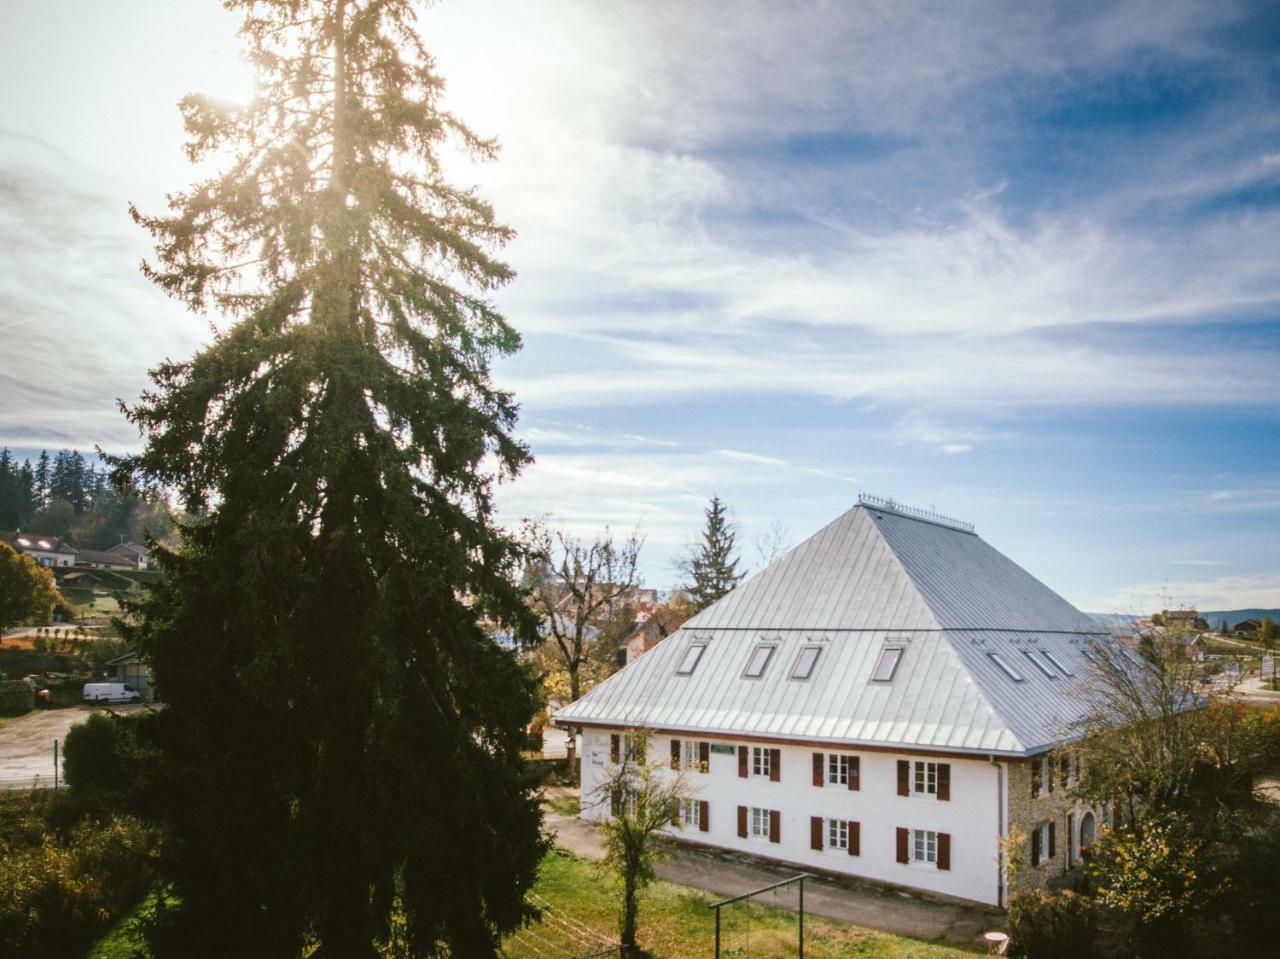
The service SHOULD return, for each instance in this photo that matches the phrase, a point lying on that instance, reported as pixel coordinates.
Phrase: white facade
(971, 818)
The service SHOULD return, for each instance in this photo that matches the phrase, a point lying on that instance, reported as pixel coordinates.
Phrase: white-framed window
(924, 779)
(760, 761)
(924, 846)
(689, 662)
(1005, 667)
(1057, 662)
(838, 769)
(689, 754)
(759, 822)
(887, 664)
(759, 661)
(806, 659)
(690, 812)
(837, 834)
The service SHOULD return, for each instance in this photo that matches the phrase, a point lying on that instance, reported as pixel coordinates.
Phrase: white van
(110, 693)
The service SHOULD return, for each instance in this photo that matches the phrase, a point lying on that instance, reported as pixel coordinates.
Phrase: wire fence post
(755, 892)
(802, 917)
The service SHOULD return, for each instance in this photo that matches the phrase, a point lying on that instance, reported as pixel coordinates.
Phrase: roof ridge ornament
(913, 512)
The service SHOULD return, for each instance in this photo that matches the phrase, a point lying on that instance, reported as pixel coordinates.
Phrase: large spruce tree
(341, 738)
(711, 569)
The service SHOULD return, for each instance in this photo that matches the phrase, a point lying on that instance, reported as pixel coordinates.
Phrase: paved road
(26, 744)
(861, 903)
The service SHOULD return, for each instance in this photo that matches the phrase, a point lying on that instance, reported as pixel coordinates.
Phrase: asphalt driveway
(26, 744)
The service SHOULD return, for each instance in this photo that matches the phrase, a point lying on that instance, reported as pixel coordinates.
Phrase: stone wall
(1028, 811)
(16, 697)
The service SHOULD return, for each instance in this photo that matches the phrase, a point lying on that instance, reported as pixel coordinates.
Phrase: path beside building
(729, 874)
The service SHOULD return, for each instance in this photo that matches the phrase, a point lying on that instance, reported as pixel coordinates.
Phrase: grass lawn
(580, 908)
(565, 805)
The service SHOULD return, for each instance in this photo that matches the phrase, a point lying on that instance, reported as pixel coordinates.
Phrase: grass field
(580, 907)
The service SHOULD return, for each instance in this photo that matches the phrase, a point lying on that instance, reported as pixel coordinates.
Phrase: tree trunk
(629, 910)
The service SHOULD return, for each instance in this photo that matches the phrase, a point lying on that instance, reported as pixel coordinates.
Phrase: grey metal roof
(873, 577)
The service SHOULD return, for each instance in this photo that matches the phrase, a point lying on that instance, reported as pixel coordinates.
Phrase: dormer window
(887, 664)
(1005, 667)
(759, 661)
(806, 659)
(1057, 662)
(1039, 664)
(689, 663)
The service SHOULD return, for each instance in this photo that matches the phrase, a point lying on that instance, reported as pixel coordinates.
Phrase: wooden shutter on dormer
(775, 765)
(818, 773)
(904, 778)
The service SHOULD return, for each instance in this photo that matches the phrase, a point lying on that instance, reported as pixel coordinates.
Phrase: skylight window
(759, 661)
(887, 664)
(690, 661)
(1005, 667)
(806, 659)
(23, 541)
(1057, 662)
(45, 544)
(1039, 664)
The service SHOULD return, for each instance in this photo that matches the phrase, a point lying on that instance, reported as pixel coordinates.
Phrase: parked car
(110, 693)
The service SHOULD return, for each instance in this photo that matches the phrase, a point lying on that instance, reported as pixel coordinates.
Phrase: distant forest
(67, 495)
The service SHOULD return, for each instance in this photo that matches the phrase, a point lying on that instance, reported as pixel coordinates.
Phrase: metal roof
(874, 577)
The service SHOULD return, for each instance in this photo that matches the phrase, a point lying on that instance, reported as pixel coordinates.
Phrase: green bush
(1047, 926)
(60, 893)
(110, 764)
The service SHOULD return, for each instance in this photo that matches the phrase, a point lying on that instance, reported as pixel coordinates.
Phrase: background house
(45, 549)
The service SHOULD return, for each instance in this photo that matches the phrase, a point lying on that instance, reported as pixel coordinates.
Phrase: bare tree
(643, 797)
(772, 543)
(578, 588)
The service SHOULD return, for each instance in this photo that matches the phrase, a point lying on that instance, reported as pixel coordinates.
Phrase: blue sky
(1020, 262)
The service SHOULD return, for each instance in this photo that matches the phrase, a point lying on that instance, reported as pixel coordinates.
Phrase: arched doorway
(1086, 833)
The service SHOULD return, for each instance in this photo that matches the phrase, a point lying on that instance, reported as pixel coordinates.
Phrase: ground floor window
(837, 834)
(760, 822)
(925, 846)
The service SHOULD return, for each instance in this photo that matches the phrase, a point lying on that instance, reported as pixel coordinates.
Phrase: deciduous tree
(342, 736)
(27, 590)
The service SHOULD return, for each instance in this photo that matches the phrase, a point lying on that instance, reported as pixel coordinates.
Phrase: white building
(876, 703)
(44, 549)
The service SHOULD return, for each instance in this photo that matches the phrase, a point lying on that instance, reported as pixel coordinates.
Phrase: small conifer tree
(712, 566)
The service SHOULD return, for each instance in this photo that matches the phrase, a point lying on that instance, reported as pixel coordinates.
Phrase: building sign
(722, 748)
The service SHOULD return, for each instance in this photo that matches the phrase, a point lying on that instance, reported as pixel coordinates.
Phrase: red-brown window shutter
(704, 757)
(855, 772)
(1035, 778)
(855, 838)
(775, 826)
(1052, 839)
(742, 821)
(815, 832)
(902, 845)
(675, 754)
(742, 762)
(944, 850)
(704, 815)
(944, 780)
(904, 778)
(615, 747)
(818, 776)
(775, 765)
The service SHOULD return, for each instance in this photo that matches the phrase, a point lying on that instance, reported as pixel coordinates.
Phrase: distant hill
(1211, 616)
